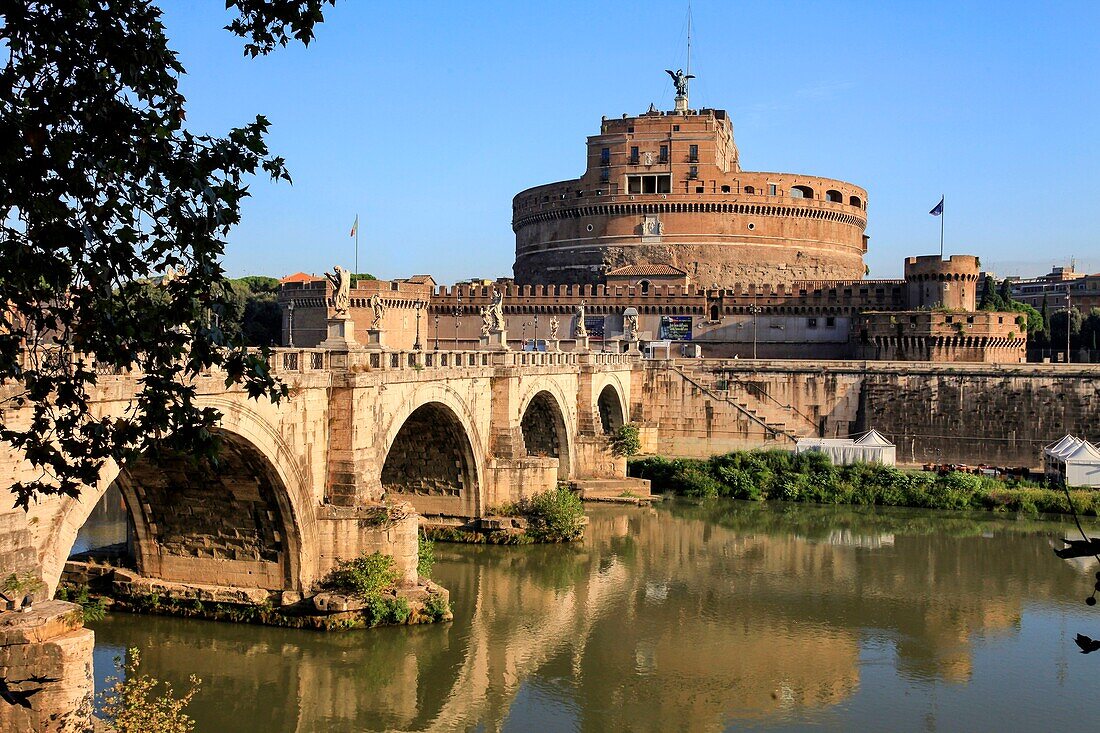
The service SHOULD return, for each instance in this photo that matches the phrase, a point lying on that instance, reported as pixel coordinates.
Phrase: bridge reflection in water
(679, 618)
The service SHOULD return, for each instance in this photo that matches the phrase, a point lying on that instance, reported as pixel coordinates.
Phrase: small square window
(675, 128)
(830, 322)
(811, 323)
(773, 190)
(630, 130)
(725, 189)
(700, 189)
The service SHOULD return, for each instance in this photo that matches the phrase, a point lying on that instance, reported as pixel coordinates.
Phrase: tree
(1058, 327)
(990, 300)
(102, 188)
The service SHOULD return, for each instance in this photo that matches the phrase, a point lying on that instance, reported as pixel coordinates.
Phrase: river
(685, 617)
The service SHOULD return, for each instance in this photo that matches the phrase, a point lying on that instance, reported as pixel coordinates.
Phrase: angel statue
(497, 310)
(486, 320)
(379, 309)
(630, 326)
(341, 289)
(553, 328)
(581, 330)
(680, 79)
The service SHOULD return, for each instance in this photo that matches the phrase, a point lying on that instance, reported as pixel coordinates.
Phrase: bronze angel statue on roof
(680, 79)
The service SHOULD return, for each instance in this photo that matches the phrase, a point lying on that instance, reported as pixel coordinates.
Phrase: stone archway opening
(612, 414)
(431, 463)
(544, 431)
(222, 522)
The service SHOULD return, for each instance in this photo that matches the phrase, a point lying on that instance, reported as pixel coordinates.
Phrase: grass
(812, 478)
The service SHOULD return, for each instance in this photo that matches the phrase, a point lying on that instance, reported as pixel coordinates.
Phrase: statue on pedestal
(680, 80)
(553, 328)
(486, 321)
(581, 330)
(496, 310)
(341, 289)
(379, 309)
(630, 327)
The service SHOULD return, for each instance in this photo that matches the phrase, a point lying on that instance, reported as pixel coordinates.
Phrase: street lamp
(457, 313)
(437, 331)
(536, 331)
(290, 324)
(755, 315)
(416, 344)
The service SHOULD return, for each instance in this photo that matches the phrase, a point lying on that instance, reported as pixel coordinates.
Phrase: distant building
(1084, 290)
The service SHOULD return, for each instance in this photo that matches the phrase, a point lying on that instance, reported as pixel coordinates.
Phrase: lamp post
(457, 313)
(437, 331)
(290, 324)
(755, 316)
(1068, 319)
(416, 344)
(536, 332)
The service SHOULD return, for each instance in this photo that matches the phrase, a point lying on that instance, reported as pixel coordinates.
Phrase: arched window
(750, 189)
(644, 285)
(802, 192)
(834, 196)
(855, 201)
(714, 314)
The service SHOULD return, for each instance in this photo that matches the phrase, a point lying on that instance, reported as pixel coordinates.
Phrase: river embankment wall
(998, 414)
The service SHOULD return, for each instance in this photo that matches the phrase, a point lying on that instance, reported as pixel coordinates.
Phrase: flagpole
(357, 243)
(943, 199)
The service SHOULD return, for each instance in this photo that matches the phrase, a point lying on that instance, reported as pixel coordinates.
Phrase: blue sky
(426, 118)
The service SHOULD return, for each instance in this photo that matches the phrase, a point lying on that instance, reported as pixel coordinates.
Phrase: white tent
(1082, 466)
(871, 447)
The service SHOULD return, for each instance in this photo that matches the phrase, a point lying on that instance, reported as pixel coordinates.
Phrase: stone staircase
(780, 420)
(613, 490)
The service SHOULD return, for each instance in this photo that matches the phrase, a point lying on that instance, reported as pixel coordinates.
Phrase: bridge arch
(431, 454)
(546, 429)
(246, 522)
(611, 406)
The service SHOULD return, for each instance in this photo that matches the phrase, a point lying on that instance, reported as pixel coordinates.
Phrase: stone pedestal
(580, 343)
(376, 339)
(341, 334)
(553, 345)
(46, 656)
(681, 104)
(495, 340)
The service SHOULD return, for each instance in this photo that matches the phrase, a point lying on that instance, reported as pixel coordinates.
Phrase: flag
(937, 210)
(355, 226)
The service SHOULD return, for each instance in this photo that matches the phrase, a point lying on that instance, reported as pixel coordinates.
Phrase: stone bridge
(304, 483)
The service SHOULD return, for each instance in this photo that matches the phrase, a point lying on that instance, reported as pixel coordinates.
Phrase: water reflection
(688, 617)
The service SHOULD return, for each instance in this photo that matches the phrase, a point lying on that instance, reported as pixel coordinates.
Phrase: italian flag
(355, 226)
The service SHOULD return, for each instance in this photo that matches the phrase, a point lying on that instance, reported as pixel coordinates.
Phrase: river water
(685, 617)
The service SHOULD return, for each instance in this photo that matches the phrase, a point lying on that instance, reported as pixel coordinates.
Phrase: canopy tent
(1072, 461)
(1082, 466)
(871, 447)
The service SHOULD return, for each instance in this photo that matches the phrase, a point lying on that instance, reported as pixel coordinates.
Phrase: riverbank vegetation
(556, 515)
(811, 477)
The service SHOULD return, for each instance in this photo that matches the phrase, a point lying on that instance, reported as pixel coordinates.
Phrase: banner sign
(594, 326)
(675, 328)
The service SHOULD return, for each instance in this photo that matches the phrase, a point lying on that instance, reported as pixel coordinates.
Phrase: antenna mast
(689, 40)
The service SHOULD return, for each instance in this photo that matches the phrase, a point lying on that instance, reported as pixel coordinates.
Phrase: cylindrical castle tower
(933, 282)
(667, 188)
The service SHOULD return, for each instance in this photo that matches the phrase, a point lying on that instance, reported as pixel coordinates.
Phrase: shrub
(365, 576)
(626, 442)
(133, 704)
(425, 556)
(436, 607)
(556, 515)
(388, 610)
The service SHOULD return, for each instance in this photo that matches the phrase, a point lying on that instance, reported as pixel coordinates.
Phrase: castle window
(700, 189)
(725, 189)
(693, 154)
(802, 192)
(675, 128)
(830, 322)
(605, 156)
(749, 190)
(649, 184)
(855, 201)
(644, 285)
(811, 323)
(630, 130)
(605, 176)
(634, 155)
(693, 172)
(773, 190)
(663, 157)
(834, 196)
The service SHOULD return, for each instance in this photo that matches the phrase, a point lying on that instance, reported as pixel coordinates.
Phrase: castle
(666, 244)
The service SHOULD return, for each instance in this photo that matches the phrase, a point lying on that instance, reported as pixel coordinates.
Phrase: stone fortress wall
(668, 188)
